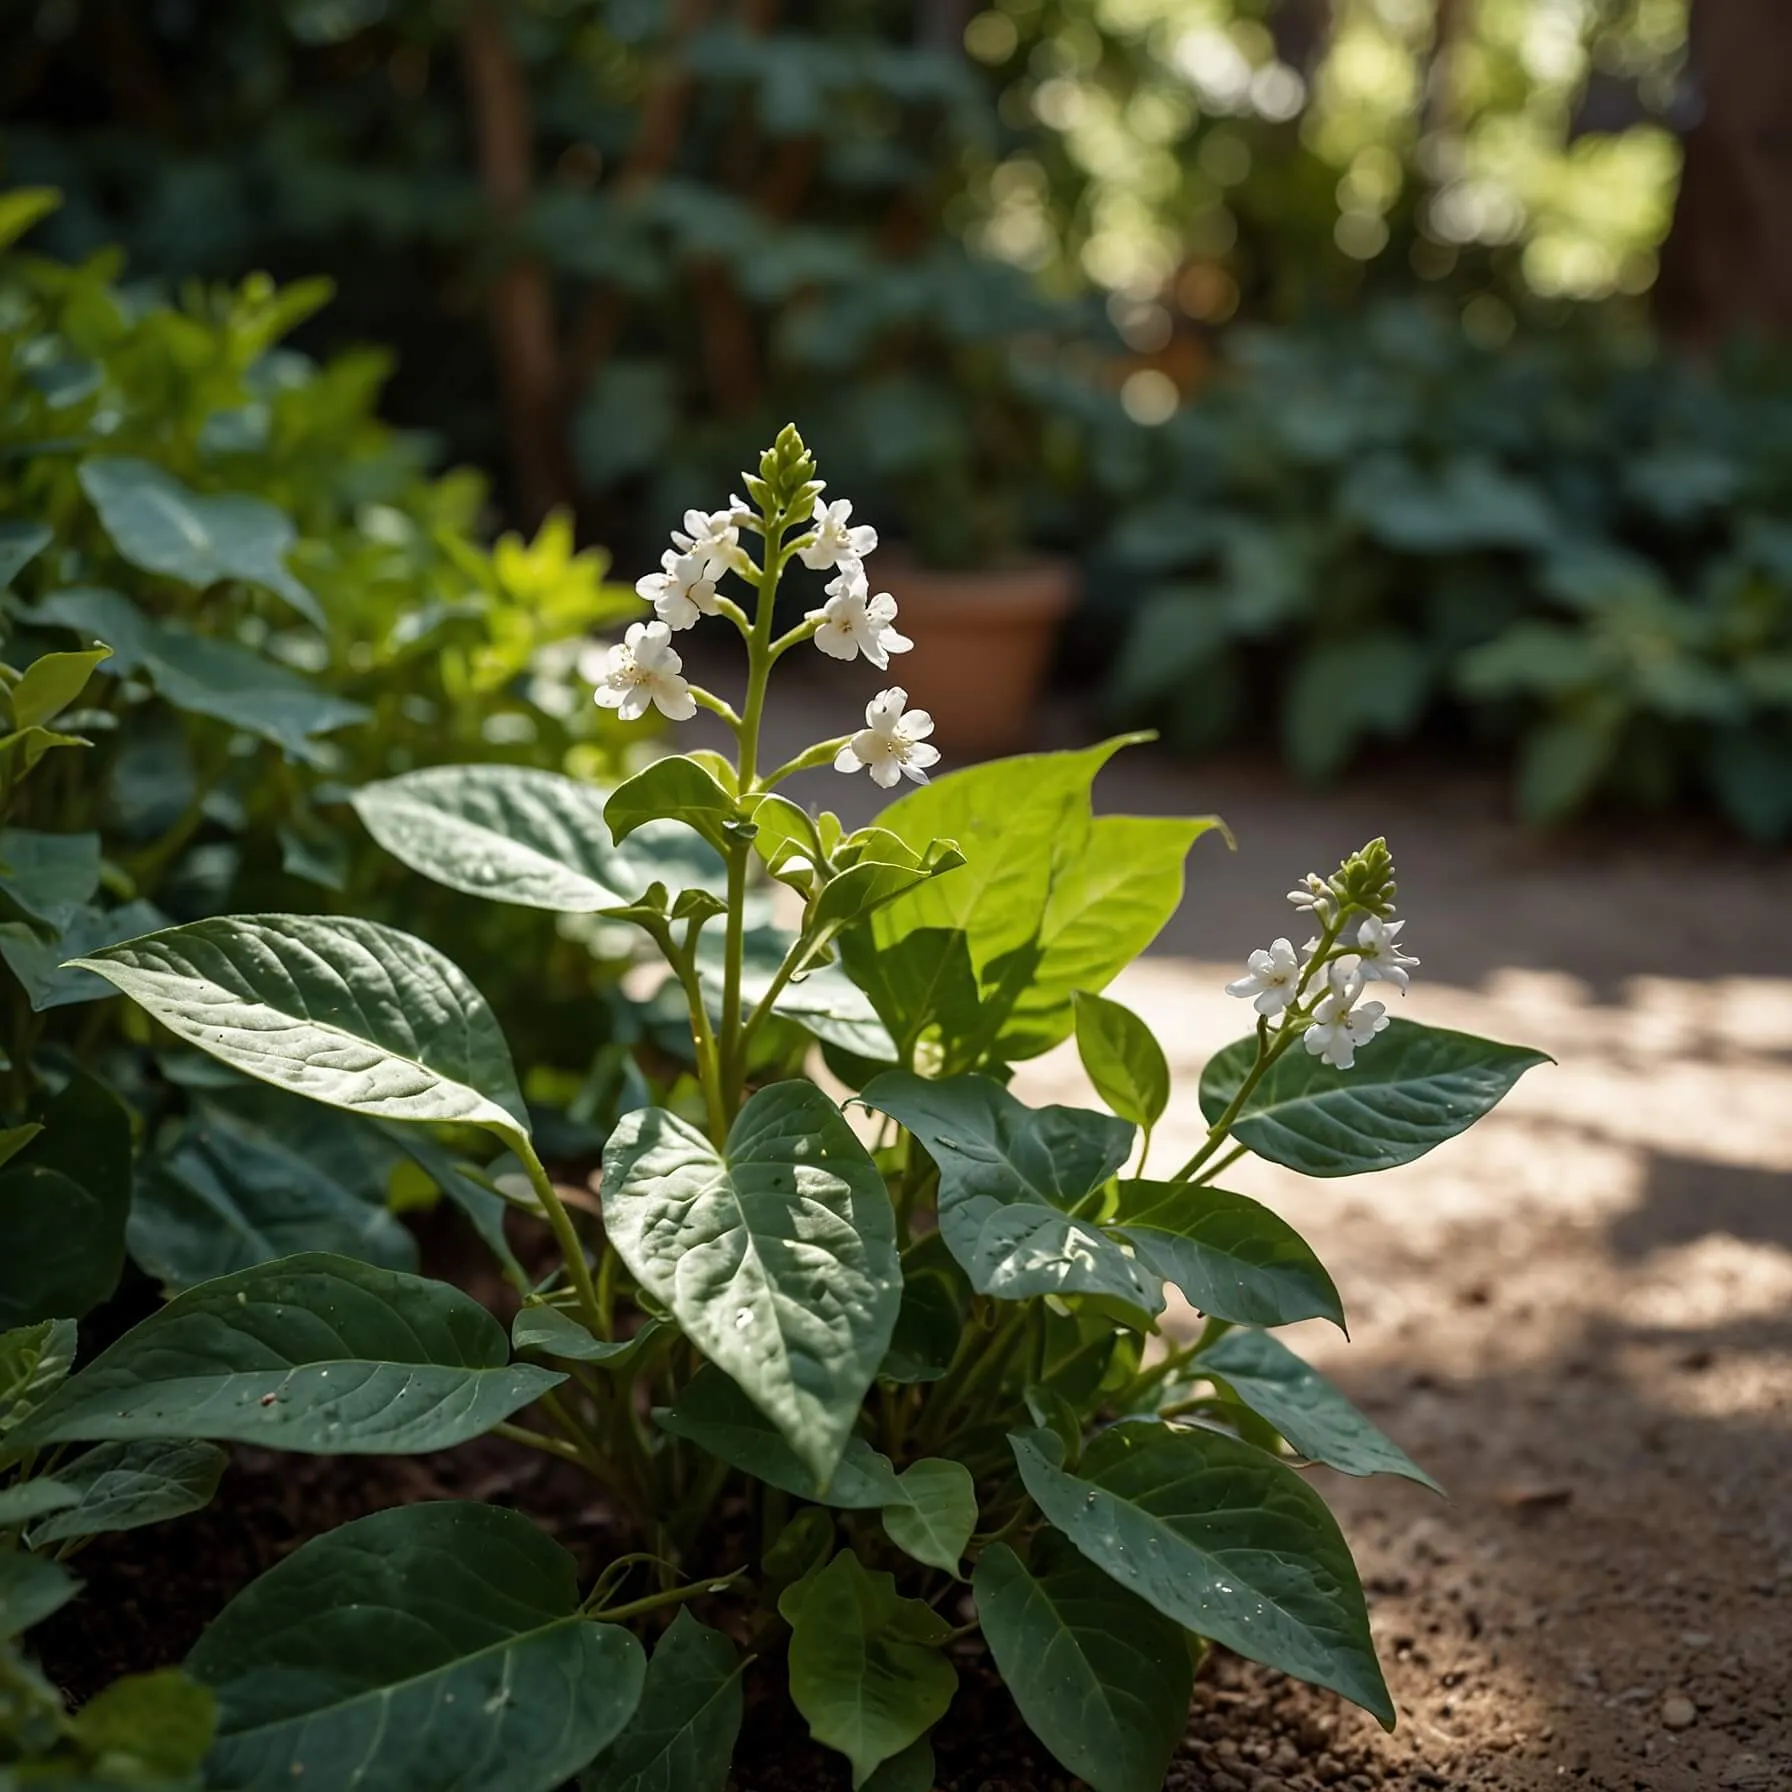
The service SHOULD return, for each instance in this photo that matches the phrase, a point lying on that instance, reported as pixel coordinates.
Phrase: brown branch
(522, 296)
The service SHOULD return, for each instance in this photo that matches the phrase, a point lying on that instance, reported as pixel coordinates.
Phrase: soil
(1578, 1317)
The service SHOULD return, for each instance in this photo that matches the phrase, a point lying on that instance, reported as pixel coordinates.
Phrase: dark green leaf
(1412, 1088)
(713, 1413)
(551, 1331)
(30, 1589)
(681, 1737)
(34, 1360)
(1231, 1256)
(1304, 1407)
(230, 1195)
(28, 1500)
(318, 1354)
(20, 542)
(158, 524)
(1009, 1177)
(777, 1257)
(49, 876)
(1223, 1539)
(124, 1485)
(429, 1646)
(63, 1207)
(40, 965)
(343, 1011)
(1102, 1678)
(148, 1725)
(866, 1667)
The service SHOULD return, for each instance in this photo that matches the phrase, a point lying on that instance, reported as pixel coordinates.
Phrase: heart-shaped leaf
(1123, 1059)
(713, 1413)
(1409, 1090)
(681, 1737)
(1309, 1412)
(1230, 1255)
(1102, 1678)
(344, 1011)
(1009, 1177)
(777, 1256)
(673, 789)
(158, 524)
(1221, 1538)
(939, 1512)
(866, 1667)
(428, 1646)
(118, 1487)
(318, 1354)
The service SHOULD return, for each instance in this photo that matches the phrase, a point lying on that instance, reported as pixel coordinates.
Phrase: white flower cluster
(645, 670)
(1341, 1020)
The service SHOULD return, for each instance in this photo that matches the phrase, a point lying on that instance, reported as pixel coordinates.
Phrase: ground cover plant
(867, 1388)
(1572, 549)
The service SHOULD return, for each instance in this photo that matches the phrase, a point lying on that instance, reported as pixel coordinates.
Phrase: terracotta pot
(983, 645)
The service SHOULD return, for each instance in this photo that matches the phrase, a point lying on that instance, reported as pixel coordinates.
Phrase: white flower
(712, 537)
(1314, 896)
(891, 745)
(683, 589)
(643, 669)
(855, 622)
(1342, 1022)
(837, 542)
(1382, 959)
(1270, 976)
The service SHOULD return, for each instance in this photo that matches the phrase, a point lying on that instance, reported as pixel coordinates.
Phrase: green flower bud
(1366, 880)
(786, 487)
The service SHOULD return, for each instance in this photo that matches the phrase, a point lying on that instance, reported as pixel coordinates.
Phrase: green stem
(714, 704)
(566, 1234)
(822, 753)
(537, 1440)
(617, 1614)
(1231, 1157)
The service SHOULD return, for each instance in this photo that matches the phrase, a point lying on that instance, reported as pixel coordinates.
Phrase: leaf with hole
(1231, 1256)
(777, 1255)
(317, 1354)
(1102, 1678)
(428, 1646)
(346, 1012)
(1411, 1088)
(1304, 1407)
(1221, 1538)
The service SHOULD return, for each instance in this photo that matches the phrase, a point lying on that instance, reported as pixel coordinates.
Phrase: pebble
(1678, 1712)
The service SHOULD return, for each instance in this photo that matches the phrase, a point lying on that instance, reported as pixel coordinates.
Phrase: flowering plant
(876, 1389)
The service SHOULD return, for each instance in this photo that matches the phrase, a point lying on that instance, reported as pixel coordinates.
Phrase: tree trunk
(1727, 263)
(522, 294)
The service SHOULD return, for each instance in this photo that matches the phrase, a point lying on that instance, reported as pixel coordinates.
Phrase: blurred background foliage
(1349, 344)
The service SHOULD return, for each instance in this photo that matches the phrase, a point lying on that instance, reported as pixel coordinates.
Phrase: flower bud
(1366, 880)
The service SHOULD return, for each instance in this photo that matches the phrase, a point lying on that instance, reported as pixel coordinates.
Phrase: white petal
(634, 703)
(846, 760)
(916, 725)
(675, 701)
(887, 773)
(895, 643)
(836, 642)
(921, 754)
